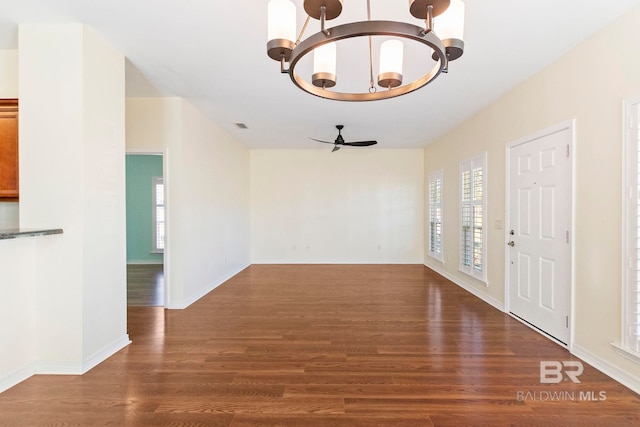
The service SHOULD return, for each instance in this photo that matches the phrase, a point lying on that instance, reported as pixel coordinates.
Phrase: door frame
(167, 206)
(569, 125)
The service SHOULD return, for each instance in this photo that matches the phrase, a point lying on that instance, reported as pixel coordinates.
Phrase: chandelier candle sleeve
(391, 56)
(324, 65)
(281, 29)
(450, 25)
(450, 28)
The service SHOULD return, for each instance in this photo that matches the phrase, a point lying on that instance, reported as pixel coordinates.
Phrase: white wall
(207, 179)
(18, 333)
(351, 206)
(580, 86)
(104, 196)
(9, 214)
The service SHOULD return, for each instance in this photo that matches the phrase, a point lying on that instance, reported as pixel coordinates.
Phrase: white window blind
(158, 214)
(631, 328)
(435, 215)
(473, 217)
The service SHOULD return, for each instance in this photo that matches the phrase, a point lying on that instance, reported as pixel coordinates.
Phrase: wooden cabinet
(9, 176)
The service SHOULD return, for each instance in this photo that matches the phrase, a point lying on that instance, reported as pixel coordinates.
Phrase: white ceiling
(213, 53)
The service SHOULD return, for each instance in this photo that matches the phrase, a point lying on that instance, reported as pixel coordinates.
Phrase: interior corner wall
(71, 87)
(576, 87)
(207, 185)
(351, 206)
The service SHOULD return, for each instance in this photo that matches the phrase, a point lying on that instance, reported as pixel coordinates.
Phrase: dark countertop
(16, 233)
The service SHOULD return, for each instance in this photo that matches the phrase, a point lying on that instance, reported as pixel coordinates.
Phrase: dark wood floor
(145, 285)
(325, 346)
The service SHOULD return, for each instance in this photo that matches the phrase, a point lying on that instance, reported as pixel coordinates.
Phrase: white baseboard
(467, 287)
(62, 368)
(79, 368)
(607, 368)
(17, 376)
(204, 291)
(106, 352)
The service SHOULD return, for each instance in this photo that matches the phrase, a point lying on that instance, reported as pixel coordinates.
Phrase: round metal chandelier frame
(364, 29)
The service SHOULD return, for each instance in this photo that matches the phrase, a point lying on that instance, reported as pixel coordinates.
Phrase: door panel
(524, 278)
(539, 255)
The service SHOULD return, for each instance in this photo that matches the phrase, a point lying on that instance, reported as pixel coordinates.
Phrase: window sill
(160, 251)
(626, 352)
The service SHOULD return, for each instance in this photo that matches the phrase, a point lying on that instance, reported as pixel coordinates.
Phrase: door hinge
(567, 321)
(567, 150)
(567, 236)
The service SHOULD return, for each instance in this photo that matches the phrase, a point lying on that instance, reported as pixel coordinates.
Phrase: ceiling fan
(340, 141)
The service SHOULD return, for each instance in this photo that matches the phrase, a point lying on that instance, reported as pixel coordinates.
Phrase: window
(435, 215)
(473, 217)
(158, 214)
(631, 234)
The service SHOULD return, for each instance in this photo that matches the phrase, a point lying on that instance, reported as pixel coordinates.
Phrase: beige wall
(589, 85)
(354, 205)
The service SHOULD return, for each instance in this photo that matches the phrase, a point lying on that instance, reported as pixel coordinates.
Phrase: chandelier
(442, 33)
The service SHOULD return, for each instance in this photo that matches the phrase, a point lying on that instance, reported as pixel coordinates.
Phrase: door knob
(511, 243)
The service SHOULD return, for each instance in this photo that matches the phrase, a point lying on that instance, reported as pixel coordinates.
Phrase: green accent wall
(140, 172)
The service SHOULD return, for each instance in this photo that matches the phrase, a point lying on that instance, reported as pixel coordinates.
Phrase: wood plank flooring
(325, 346)
(145, 285)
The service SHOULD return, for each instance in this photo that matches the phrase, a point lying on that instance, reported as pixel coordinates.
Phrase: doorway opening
(146, 229)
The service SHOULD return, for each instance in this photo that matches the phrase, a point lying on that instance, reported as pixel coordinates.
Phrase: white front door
(539, 248)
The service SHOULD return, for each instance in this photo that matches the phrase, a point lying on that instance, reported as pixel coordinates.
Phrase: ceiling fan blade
(324, 142)
(361, 143)
(336, 148)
